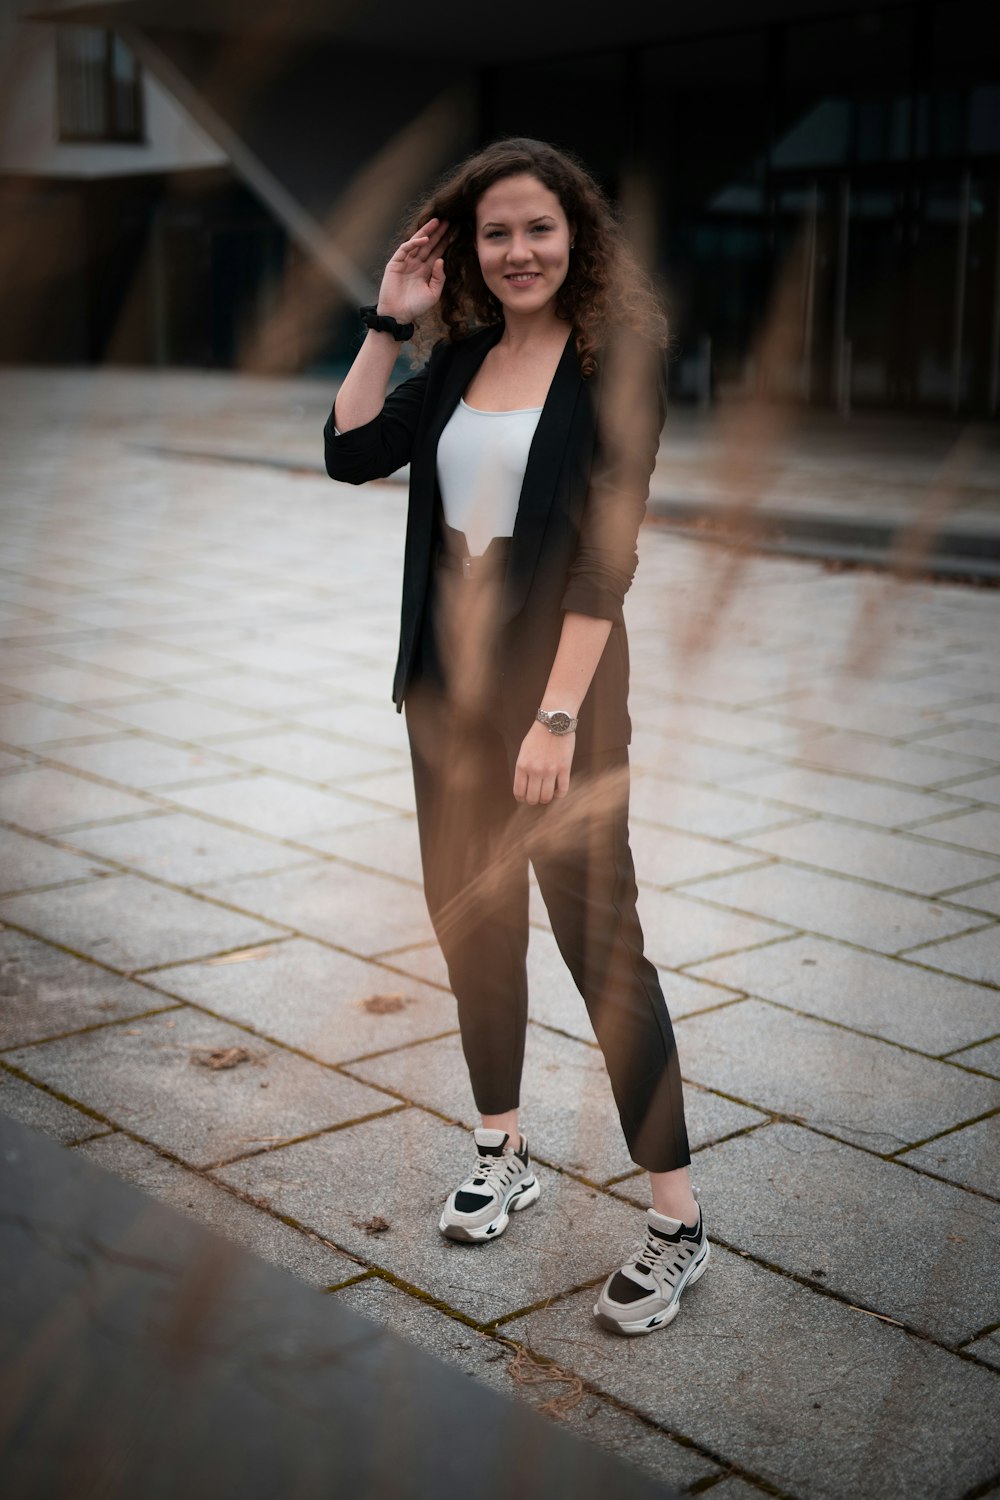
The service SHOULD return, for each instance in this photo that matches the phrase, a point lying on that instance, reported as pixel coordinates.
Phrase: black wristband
(380, 323)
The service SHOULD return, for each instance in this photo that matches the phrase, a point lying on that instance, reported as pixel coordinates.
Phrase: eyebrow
(499, 224)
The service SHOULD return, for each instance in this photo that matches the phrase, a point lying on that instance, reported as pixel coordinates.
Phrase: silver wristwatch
(557, 720)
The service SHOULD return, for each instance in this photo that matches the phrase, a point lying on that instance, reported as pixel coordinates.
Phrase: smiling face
(522, 239)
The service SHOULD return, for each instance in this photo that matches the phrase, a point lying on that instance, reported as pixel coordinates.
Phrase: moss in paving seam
(297, 1140)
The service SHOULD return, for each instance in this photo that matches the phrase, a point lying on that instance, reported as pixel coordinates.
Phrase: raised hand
(414, 278)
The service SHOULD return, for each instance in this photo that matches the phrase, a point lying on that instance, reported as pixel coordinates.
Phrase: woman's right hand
(414, 278)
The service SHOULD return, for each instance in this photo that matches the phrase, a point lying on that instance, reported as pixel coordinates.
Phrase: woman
(531, 432)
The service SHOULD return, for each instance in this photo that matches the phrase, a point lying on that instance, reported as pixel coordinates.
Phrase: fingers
(538, 789)
(426, 241)
(543, 768)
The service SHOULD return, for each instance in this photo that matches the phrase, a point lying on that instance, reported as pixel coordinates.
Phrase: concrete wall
(29, 125)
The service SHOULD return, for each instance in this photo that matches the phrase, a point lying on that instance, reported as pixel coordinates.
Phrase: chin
(532, 301)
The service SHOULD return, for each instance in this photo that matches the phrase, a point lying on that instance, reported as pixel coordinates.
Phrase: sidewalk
(220, 984)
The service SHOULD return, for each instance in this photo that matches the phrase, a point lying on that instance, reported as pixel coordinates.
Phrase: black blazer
(574, 539)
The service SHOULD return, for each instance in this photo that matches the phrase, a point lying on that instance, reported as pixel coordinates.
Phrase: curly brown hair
(605, 287)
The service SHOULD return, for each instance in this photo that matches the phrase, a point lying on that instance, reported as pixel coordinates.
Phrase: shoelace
(650, 1256)
(502, 1167)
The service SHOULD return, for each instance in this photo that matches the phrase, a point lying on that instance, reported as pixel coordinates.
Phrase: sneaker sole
(657, 1320)
(522, 1198)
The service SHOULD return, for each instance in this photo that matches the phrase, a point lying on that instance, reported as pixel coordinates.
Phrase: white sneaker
(646, 1292)
(503, 1183)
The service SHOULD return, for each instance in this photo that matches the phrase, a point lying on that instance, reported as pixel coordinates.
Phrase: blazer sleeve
(383, 445)
(627, 442)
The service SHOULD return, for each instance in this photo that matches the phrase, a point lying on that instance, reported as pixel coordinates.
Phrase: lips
(522, 278)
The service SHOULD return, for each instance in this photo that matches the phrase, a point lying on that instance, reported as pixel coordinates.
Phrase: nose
(518, 250)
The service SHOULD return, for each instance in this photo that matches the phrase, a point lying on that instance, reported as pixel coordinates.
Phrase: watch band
(557, 720)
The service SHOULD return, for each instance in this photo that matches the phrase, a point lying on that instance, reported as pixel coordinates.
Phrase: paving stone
(27, 862)
(890, 999)
(984, 897)
(41, 1111)
(594, 1419)
(242, 665)
(568, 1112)
(693, 760)
(186, 850)
(138, 762)
(736, 1489)
(866, 712)
(982, 789)
(276, 654)
(986, 1057)
(664, 857)
(931, 1264)
(970, 1157)
(44, 992)
(977, 955)
(133, 657)
(279, 695)
(145, 1077)
(839, 908)
(362, 679)
(426, 961)
(317, 1000)
(313, 757)
(711, 722)
(24, 723)
(360, 720)
(941, 688)
(972, 830)
(554, 999)
(679, 931)
(567, 1108)
(185, 719)
(130, 924)
(704, 810)
(284, 809)
(400, 1169)
(394, 788)
(48, 800)
(975, 739)
(212, 1205)
(70, 685)
(847, 796)
(856, 1088)
(987, 713)
(988, 1350)
(804, 1392)
(366, 914)
(390, 846)
(895, 859)
(710, 1117)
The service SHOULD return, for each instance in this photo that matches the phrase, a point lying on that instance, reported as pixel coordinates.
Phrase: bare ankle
(672, 1195)
(506, 1122)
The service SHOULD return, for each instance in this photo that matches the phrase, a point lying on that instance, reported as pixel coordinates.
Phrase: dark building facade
(869, 137)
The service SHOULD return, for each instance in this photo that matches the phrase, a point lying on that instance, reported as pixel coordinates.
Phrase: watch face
(560, 722)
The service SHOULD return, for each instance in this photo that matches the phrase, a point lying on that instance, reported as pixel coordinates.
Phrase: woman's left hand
(543, 765)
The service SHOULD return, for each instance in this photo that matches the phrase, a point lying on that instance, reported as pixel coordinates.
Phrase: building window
(99, 86)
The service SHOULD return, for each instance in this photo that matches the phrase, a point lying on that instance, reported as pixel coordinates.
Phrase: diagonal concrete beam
(302, 227)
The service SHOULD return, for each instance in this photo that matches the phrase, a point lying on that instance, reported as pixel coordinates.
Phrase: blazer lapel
(541, 475)
(465, 361)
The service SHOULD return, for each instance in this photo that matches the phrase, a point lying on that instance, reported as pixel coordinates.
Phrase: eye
(493, 234)
(544, 228)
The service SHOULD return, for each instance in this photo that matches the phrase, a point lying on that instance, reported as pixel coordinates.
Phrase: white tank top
(481, 459)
